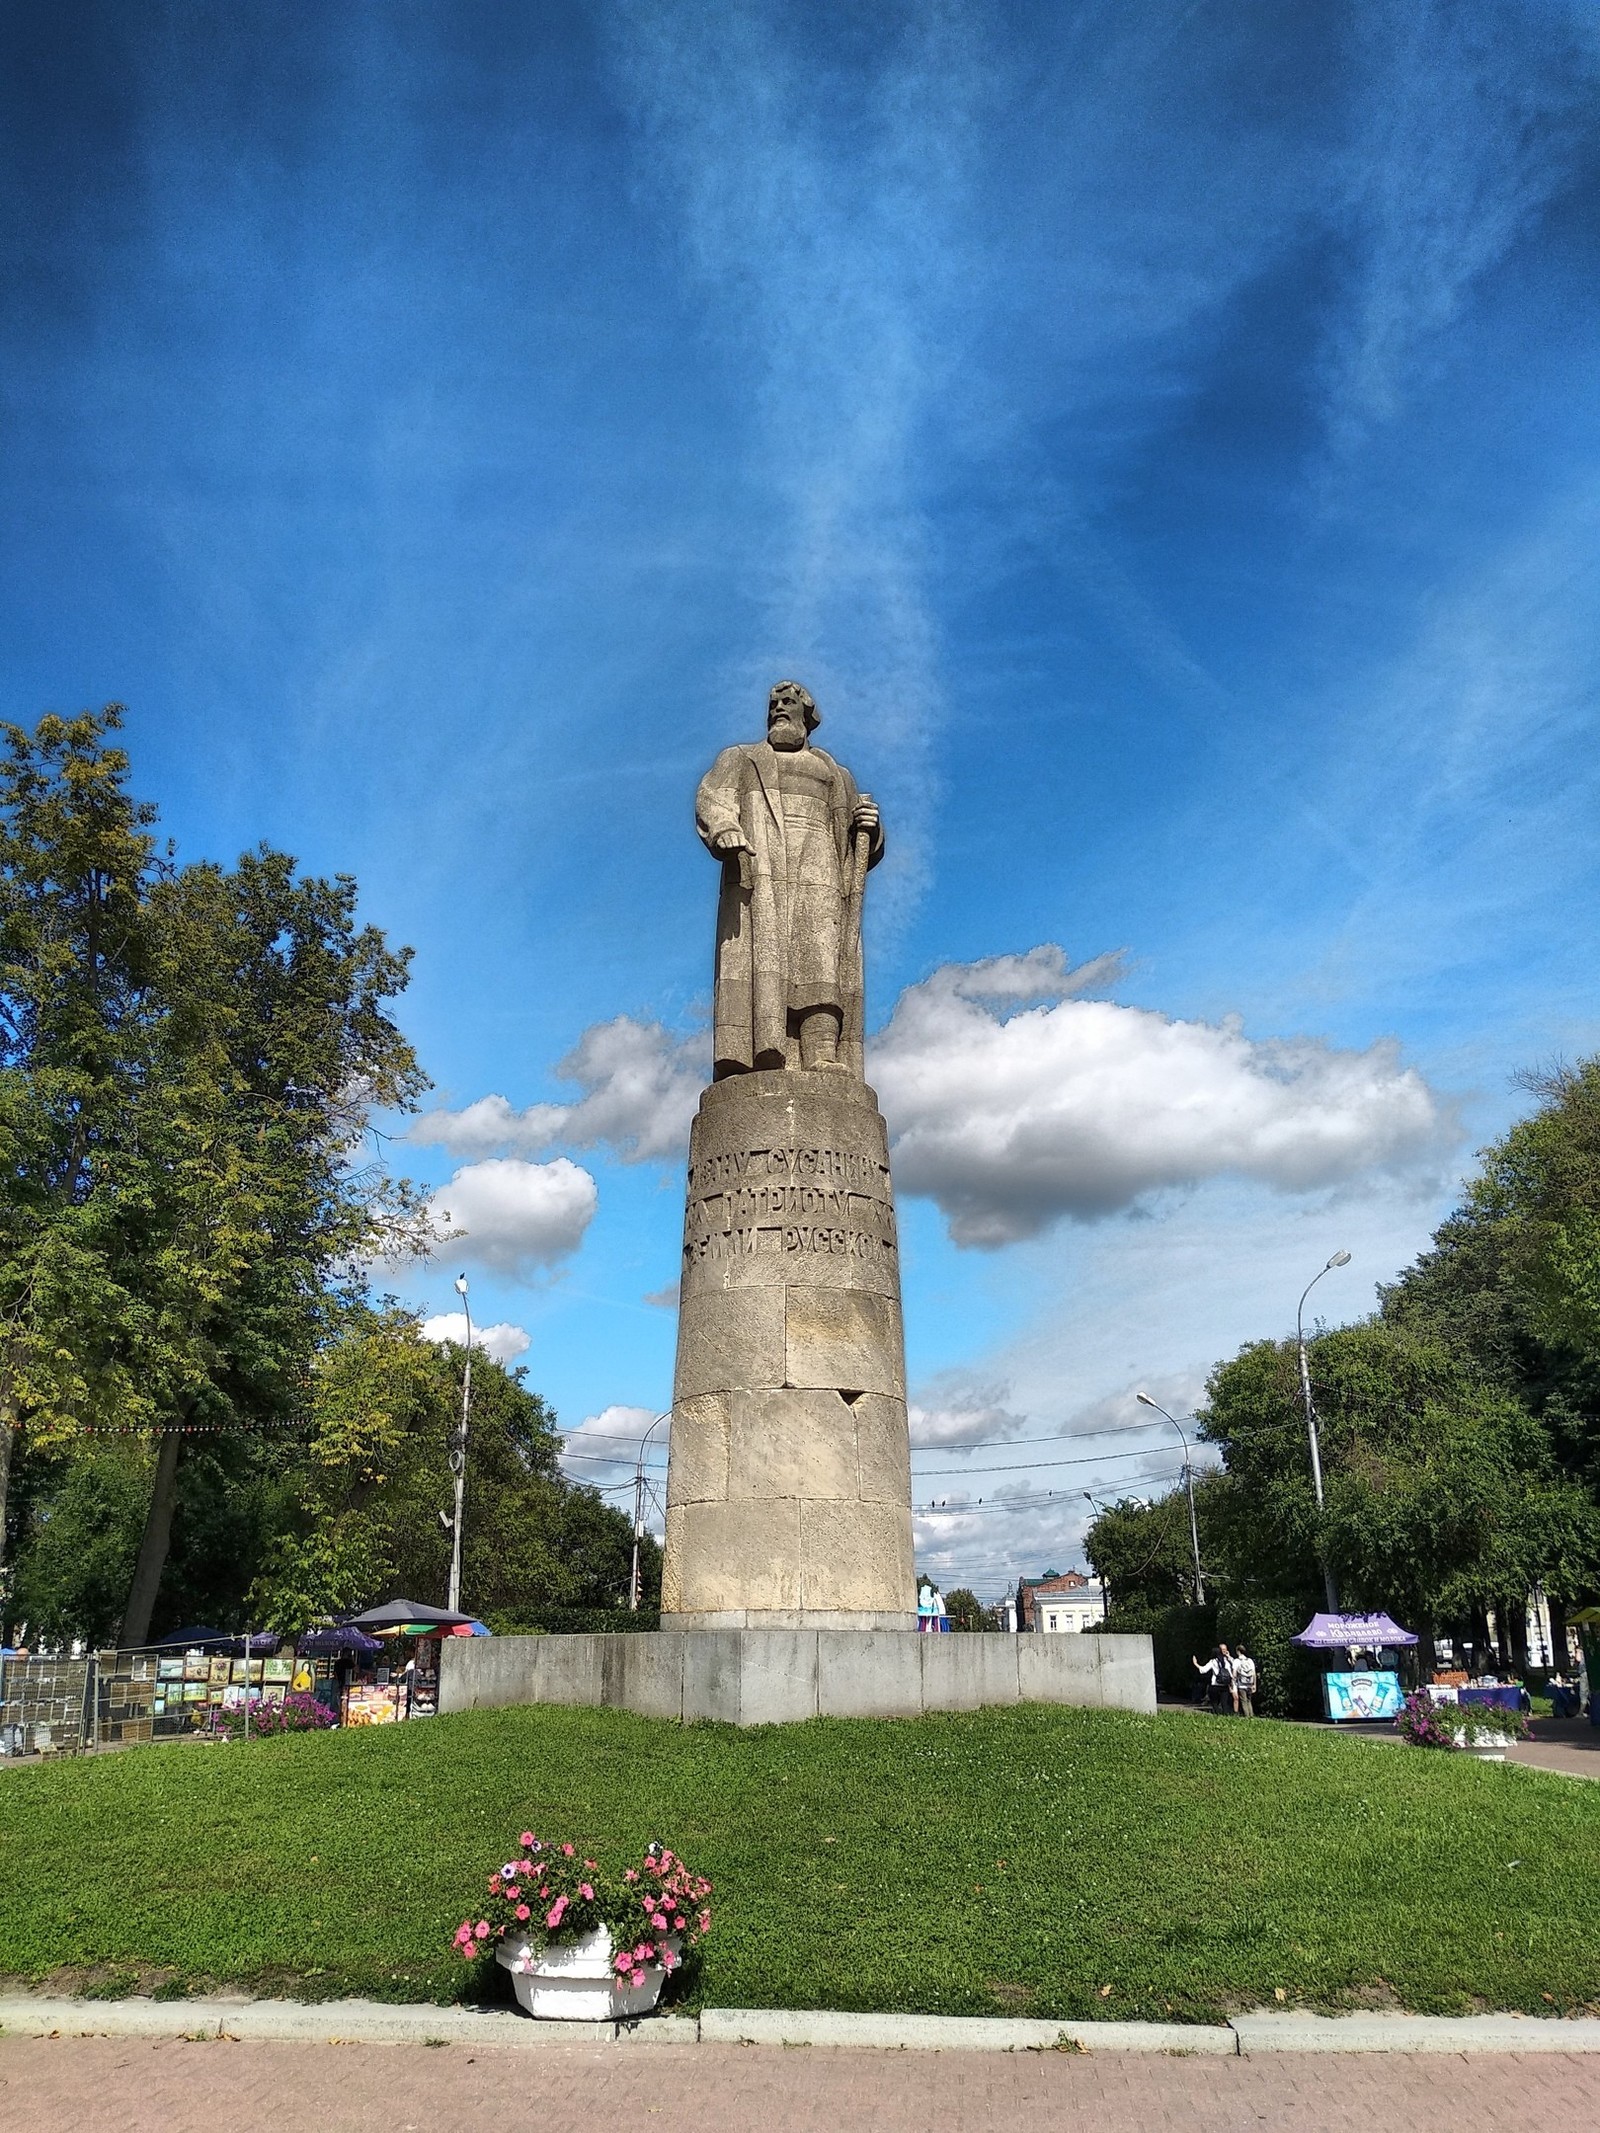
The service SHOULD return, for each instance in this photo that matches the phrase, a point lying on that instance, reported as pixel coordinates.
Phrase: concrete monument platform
(774, 1676)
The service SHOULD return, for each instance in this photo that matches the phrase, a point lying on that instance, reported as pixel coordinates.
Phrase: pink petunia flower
(569, 1851)
(556, 1912)
(523, 1911)
(481, 1929)
(527, 1840)
(586, 1892)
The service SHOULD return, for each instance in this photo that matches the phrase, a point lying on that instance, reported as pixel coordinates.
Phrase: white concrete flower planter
(573, 1981)
(1487, 1747)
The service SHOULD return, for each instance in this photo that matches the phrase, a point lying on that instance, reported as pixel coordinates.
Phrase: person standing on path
(1244, 1685)
(1210, 1672)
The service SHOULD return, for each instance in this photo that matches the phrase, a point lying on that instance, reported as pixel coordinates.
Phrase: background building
(1060, 1600)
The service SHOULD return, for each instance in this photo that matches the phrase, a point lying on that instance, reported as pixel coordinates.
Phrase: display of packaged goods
(370, 1707)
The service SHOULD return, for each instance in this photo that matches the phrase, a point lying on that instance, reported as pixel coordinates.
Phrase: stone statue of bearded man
(795, 839)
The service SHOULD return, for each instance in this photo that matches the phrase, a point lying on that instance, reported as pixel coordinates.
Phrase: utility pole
(1338, 1259)
(458, 1456)
(1145, 1400)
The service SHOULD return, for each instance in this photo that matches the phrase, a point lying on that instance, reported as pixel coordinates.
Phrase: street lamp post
(458, 1456)
(1145, 1400)
(638, 1510)
(1338, 1259)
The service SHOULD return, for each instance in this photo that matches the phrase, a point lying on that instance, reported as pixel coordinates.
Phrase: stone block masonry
(775, 1676)
(789, 1474)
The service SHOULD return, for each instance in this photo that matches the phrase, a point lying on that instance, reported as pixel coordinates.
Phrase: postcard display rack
(188, 1685)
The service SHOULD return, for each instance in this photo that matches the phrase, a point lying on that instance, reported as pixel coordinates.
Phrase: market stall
(1353, 1691)
(400, 1678)
(328, 1660)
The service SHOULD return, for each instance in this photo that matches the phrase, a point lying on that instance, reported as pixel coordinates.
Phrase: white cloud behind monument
(1013, 1102)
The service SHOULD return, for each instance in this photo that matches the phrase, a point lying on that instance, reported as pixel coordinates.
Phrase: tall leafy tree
(78, 859)
(188, 1061)
(243, 1185)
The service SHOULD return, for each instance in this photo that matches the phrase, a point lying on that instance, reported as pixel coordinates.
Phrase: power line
(1030, 1466)
(1019, 1503)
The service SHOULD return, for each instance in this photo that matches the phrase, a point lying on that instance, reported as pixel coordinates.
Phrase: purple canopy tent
(1346, 1633)
(340, 1642)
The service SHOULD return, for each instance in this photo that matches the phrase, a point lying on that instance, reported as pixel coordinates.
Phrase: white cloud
(516, 1216)
(1083, 1107)
(640, 1086)
(505, 1342)
(604, 1449)
(952, 1415)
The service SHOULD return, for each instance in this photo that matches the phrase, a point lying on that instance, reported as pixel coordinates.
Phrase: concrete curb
(374, 2022)
(954, 2033)
(1414, 2033)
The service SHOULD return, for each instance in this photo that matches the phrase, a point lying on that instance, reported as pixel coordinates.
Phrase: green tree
(965, 1610)
(1513, 1277)
(244, 1189)
(373, 1479)
(1442, 1497)
(77, 861)
(188, 1058)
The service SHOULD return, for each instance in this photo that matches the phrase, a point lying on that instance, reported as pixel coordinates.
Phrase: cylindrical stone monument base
(789, 1475)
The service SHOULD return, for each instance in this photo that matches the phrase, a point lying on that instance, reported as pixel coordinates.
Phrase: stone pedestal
(789, 1476)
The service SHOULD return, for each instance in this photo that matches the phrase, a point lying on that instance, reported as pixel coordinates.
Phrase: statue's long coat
(755, 916)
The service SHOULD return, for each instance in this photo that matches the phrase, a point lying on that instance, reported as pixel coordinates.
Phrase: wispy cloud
(1465, 122)
(826, 211)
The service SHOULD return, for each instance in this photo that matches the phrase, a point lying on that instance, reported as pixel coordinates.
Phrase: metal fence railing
(47, 1706)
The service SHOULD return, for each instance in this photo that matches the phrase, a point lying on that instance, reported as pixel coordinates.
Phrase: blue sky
(1165, 439)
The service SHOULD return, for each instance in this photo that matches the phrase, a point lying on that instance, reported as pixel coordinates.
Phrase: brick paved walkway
(104, 2085)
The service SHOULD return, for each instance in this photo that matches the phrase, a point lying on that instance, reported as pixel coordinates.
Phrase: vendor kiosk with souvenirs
(383, 1665)
(1352, 1690)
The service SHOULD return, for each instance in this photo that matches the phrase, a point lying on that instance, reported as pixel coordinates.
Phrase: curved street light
(1338, 1259)
(638, 1510)
(1145, 1400)
(458, 1456)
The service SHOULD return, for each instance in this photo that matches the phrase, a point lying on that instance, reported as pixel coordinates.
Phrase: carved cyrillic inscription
(829, 1202)
(808, 1166)
(796, 1238)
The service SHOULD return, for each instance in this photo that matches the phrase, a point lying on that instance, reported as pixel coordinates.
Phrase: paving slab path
(128, 2085)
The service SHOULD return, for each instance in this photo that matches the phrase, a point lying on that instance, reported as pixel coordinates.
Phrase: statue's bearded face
(788, 725)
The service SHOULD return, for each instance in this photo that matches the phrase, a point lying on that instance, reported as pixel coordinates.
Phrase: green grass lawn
(1031, 1860)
